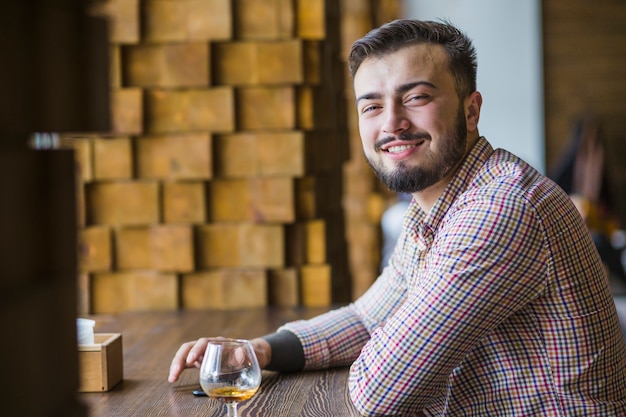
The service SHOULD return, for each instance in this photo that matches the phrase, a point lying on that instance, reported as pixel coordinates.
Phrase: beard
(410, 179)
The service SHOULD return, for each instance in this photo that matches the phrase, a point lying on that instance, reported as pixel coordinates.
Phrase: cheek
(440, 121)
(368, 131)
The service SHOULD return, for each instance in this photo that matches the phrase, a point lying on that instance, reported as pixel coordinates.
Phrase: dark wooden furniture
(150, 340)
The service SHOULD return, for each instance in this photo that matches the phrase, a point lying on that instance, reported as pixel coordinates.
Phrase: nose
(395, 121)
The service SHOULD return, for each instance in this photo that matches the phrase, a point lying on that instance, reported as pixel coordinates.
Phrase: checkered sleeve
(337, 337)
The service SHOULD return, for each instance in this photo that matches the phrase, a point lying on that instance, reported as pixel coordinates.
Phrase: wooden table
(150, 340)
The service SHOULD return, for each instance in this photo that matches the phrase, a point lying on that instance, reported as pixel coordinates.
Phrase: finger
(239, 356)
(196, 353)
(179, 362)
(263, 351)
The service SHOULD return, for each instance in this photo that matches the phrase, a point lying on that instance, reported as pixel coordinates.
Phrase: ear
(472, 110)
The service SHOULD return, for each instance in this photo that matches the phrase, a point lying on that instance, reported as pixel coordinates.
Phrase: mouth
(399, 148)
(401, 144)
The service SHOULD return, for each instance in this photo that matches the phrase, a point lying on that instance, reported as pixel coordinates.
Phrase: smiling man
(495, 301)
(415, 125)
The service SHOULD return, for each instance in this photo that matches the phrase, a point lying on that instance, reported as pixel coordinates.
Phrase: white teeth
(401, 148)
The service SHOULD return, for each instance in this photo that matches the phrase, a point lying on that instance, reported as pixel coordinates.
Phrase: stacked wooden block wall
(220, 184)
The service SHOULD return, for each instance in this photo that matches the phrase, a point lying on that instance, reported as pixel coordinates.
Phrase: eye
(369, 108)
(417, 98)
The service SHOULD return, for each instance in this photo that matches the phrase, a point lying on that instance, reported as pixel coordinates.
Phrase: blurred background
(196, 154)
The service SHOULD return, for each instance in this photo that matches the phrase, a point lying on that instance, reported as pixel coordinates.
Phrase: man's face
(411, 121)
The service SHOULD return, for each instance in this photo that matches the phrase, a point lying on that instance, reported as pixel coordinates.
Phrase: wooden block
(210, 20)
(164, 21)
(115, 67)
(283, 287)
(174, 156)
(305, 96)
(156, 247)
(83, 155)
(83, 292)
(234, 62)
(306, 198)
(315, 241)
(317, 157)
(184, 202)
(123, 18)
(314, 110)
(230, 200)
(281, 153)
(356, 21)
(311, 19)
(262, 108)
(101, 364)
(316, 285)
(153, 157)
(112, 158)
(272, 199)
(286, 19)
(127, 111)
(359, 181)
(225, 289)
(240, 155)
(263, 20)
(280, 62)
(190, 156)
(306, 242)
(202, 109)
(313, 62)
(364, 239)
(236, 155)
(269, 199)
(123, 203)
(169, 65)
(187, 20)
(240, 245)
(81, 204)
(95, 249)
(118, 292)
(259, 63)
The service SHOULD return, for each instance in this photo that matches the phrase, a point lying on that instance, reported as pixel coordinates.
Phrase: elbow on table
(365, 401)
(363, 406)
(373, 398)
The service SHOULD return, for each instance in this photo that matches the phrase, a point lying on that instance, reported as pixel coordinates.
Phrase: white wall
(507, 37)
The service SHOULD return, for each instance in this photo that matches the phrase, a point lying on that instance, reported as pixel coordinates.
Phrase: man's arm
(331, 339)
(487, 263)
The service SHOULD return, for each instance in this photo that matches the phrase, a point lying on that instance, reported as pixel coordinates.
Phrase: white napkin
(85, 331)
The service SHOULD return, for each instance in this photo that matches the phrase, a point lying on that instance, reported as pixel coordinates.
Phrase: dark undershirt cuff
(287, 352)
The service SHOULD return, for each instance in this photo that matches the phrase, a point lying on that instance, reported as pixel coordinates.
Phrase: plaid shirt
(494, 304)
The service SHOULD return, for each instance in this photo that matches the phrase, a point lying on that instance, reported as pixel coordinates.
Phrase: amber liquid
(231, 394)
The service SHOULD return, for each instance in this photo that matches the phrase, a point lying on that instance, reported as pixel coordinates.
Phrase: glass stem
(232, 409)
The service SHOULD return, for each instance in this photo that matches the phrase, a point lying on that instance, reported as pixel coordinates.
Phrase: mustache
(403, 136)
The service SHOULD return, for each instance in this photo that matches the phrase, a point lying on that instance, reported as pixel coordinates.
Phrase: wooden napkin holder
(101, 364)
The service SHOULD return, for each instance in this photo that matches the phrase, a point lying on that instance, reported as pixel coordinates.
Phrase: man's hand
(263, 351)
(190, 355)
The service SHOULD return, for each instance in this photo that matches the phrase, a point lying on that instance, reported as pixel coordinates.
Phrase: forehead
(421, 61)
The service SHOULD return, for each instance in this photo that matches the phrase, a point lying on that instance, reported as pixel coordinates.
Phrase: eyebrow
(403, 88)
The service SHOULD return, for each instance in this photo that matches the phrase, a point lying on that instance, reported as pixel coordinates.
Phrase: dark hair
(399, 33)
